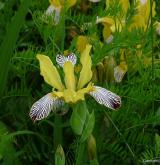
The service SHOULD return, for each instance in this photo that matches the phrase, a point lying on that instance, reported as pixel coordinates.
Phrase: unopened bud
(95, 75)
(59, 156)
(109, 64)
(100, 71)
(92, 149)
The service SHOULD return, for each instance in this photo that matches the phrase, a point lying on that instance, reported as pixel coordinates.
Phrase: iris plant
(73, 89)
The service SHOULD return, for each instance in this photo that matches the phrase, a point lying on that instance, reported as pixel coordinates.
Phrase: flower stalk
(57, 135)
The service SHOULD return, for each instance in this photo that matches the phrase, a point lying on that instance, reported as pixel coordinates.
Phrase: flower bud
(100, 71)
(59, 156)
(95, 75)
(92, 149)
(109, 64)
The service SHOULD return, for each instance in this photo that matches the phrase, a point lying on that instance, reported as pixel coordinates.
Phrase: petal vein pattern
(106, 97)
(60, 59)
(42, 108)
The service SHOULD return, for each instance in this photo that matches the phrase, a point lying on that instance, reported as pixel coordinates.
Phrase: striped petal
(60, 59)
(106, 97)
(43, 107)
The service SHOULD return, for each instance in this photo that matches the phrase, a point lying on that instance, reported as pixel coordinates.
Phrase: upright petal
(49, 72)
(70, 81)
(60, 59)
(81, 43)
(68, 66)
(86, 72)
(106, 97)
(42, 107)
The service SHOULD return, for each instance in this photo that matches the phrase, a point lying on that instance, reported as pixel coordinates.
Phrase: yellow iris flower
(56, 7)
(140, 20)
(71, 91)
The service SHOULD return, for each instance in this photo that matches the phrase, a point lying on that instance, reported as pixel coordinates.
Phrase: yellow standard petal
(86, 72)
(49, 72)
(82, 41)
(55, 3)
(69, 75)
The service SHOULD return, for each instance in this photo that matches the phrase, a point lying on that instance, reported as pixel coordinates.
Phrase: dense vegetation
(125, 38)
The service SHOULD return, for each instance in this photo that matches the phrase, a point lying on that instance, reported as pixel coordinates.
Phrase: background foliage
(128, 136)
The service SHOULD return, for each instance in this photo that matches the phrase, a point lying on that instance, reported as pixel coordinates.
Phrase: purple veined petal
(72, 58)
(43, 107)
(106, 98)
(58, 103)
(60, 59)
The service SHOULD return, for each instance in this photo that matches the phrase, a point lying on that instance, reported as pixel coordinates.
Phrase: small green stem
(80, 154)
(57, 131)
(129, 148)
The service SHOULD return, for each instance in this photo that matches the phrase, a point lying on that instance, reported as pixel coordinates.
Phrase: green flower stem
(80, 153)
(57, 131)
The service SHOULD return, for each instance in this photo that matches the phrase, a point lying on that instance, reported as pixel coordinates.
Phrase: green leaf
(157, 139)
(89, 125)
(94, 162)
(8, 154)
(9, 42)
(78, 117)
(59, 156)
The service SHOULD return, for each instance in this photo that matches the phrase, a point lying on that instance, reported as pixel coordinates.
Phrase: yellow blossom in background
(144, 8)
(109, 27)
(141, 18)
(121, 69)
(125, 5)
(56, 6)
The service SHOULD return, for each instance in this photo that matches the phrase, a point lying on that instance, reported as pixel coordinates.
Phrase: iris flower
(56, 6)
(72, 91)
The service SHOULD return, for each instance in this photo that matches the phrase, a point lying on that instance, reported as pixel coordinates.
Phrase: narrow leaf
(9, 42)
(89, 125)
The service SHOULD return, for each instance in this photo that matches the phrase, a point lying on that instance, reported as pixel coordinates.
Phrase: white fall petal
(106, 98)
(43, 107)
